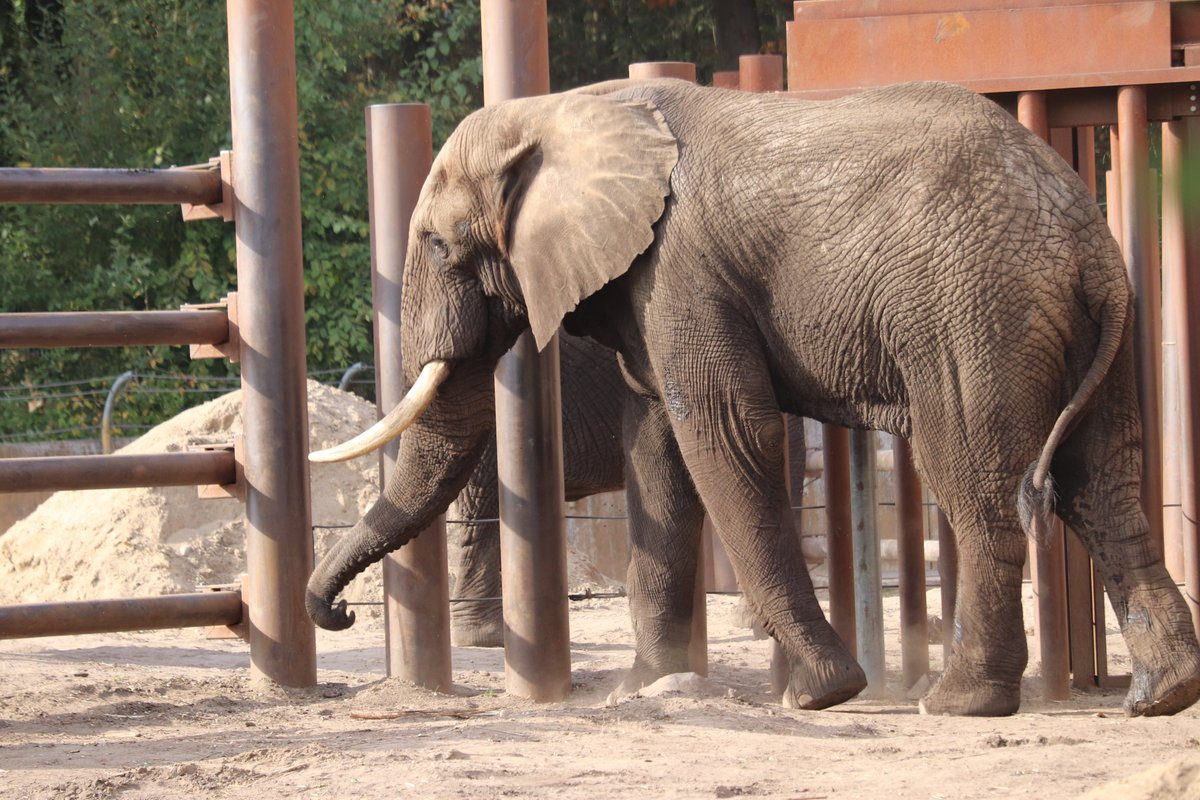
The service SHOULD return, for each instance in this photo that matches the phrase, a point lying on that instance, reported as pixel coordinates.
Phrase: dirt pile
(97, 544)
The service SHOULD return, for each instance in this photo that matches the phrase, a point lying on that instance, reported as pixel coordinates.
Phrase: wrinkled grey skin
(908, 259)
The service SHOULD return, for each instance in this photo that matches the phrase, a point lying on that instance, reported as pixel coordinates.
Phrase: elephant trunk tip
(330, 616)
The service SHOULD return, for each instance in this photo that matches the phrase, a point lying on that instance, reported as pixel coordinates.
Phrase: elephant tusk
(411, 406)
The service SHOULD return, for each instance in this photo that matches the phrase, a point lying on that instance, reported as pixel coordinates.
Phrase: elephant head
(530, 207)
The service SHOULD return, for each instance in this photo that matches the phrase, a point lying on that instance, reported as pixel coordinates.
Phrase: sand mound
(97, 544)
(1178, 779)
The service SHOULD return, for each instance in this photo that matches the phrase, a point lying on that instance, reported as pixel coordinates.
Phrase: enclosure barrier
(268, 337)
(111, 616)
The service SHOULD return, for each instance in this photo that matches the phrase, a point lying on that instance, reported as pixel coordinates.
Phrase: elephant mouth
(406, 412)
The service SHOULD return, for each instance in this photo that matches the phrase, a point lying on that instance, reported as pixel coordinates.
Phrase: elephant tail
(1036, 496)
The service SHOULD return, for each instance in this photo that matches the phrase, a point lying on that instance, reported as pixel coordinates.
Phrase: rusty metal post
(1047, 558)
(112, 328)
(712, 559)
(683, 70)
(1181, 171)
(415, 584)
(1174, 262)
(537, 647)
(760, 73)
(948, 578)
(270, 269)
(910, 540)
(839, 527)
(868, 585)
(127, 186)
(54, 473)
(726, 79)
(1139, 239)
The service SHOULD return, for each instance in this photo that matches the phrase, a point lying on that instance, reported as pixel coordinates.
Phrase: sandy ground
(171, 714)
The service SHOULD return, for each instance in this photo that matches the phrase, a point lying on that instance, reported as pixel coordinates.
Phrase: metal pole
(1174, 262)
(711, 561)
(760, 73)
(537, 649)
(868, 586)
(683, 70)
(110, 616)
(54, 473)
(200, 187)
(839, 525)
(948, 578)
(106, 417)
(1139, 235)
(726, 79)
(415, 584)
(1046, 549)
(357, 366)
(112, 328)
(1182, 141)
(910, 541)
(266, 180)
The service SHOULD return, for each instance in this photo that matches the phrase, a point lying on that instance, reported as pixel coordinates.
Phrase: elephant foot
(483, 628)
(823, 682)
(966, 697)
(1164, 691)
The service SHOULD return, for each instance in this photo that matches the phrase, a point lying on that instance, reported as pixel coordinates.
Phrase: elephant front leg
(665, 519)
(730, 432)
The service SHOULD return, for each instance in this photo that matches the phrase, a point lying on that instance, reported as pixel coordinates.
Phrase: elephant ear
(580, 196)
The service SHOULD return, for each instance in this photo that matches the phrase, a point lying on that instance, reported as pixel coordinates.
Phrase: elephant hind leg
(975, 479)
(1098, 475)
(477, 613)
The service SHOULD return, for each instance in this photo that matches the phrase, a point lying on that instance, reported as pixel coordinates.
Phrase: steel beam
(1181, 167)
(839, 526)
(128, 186)
(1139, 237)
(415, 584)
(537, 650)
(199, 609)
(947, 562)
(868, 586)
(112, 328)
(910, 541)
(54, 473)
(270, 270)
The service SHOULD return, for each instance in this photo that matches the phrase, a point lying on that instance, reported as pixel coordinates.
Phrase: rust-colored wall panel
(972, 45)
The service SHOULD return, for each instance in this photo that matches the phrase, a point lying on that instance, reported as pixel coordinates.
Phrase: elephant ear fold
(580, 197)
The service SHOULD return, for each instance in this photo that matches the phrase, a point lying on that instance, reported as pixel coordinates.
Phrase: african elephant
(908, 259)
(594, 400)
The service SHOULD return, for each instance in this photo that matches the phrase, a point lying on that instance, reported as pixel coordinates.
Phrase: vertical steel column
(415, 586)
(537, 642)
(712, 559)
(726, 79)
(643, 70)
(1174, 263)
(266, 180)
(1047, 556)
(760, 73)
(839, 528)
(1139, 236)
(948, 577)
(1181, 171)
(910, 540)
(868, 586)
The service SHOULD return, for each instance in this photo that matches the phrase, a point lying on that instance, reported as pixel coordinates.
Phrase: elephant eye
(441, 250)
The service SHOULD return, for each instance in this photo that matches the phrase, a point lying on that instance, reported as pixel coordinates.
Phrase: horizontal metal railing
(110, 616)
(113, 328)
(52, 473)
(140, 186)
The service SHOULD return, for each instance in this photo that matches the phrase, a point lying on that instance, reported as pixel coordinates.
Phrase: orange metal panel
(976, 45)
(849, 9)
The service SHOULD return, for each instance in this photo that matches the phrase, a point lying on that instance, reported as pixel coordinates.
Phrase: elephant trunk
(437, 456)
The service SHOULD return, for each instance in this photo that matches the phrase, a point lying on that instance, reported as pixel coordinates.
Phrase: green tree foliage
(144, 83)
